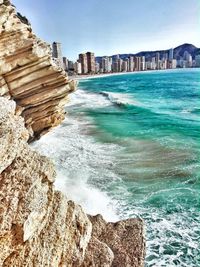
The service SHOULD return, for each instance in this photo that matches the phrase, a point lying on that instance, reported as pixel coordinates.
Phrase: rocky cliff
(29, 75)
(39, 226)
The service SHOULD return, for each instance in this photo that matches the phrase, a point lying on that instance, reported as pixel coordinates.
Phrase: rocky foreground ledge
(39, 226)
(29, 75)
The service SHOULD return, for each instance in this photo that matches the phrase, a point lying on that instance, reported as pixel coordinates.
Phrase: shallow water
(130, 147)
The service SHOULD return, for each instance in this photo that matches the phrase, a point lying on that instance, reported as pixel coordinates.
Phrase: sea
(130, 147)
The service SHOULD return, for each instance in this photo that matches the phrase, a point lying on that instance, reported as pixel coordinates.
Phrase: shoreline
(94, 152)
(103, 75)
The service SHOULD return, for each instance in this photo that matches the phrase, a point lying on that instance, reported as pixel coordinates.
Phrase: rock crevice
(39, 226)
(29, 75)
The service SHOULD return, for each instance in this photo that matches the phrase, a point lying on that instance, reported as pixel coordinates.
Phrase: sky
(108, 27)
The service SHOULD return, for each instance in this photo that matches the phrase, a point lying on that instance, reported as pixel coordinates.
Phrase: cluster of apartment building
(86, 63)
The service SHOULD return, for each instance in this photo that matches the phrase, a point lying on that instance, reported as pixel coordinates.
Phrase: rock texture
(29, 75)
(116, 244)
(39, 226)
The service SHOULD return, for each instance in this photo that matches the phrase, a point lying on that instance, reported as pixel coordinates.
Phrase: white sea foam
(186, 111)
(88, 100)
(120, 98)
(102, 99)
(84, 166)
(81, 162)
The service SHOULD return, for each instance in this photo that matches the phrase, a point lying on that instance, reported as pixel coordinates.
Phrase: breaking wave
(120, 99)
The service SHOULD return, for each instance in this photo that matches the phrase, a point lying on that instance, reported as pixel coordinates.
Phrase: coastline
(101, 163)
(103, 75)
(40, 225)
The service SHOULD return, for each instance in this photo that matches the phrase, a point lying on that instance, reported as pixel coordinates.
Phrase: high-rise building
(157, 60)
(125, 66)
(90, 62)
(153, 65)
(188, 59)
(197, 61)
(128, 63)
(120, 61)
(83, 61)
(65, 63)
(163, 64)
(115, 66)
(97, 67)
(171, 54)
(57, 52)
(137, 63)
(142, 64)
(70, 65)
(148, 65)
(110, 64)
(131, 64)
(77, 67)
(104, 64)
(174, 63)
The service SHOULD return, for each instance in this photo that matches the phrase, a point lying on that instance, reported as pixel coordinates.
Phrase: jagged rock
(39, 226)
(125, 239)
(29, 75)
(98, 254)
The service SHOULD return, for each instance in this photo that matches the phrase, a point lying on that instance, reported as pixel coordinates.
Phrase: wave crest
(120, 99)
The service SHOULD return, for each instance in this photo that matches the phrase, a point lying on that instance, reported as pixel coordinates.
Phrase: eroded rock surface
(29, 75)
(124, 238)
(39, 226)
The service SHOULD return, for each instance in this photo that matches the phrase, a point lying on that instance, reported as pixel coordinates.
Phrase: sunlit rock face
(116, 244)
(39, 226)
(29, 75)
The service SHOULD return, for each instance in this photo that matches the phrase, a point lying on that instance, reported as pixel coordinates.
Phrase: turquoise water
(154, 117)
(130, 146)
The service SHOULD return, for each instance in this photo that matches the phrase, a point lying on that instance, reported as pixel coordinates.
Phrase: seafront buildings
(57, 53)
(84, 64)
(88, 64)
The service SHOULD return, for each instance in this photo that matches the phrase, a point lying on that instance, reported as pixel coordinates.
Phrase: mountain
(178, 52)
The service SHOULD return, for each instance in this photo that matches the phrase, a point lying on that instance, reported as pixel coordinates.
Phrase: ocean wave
(87, 100)
(120, 99)
(191, 110)
(81, 163)
(91, 173)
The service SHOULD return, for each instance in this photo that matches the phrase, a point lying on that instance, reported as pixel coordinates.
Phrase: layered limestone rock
(29, 75)
(39, 226)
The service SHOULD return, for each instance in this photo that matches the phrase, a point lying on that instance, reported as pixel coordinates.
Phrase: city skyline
(114, 28)
(87, 63)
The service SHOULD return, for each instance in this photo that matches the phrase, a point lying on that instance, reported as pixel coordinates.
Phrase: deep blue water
(155, 119)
